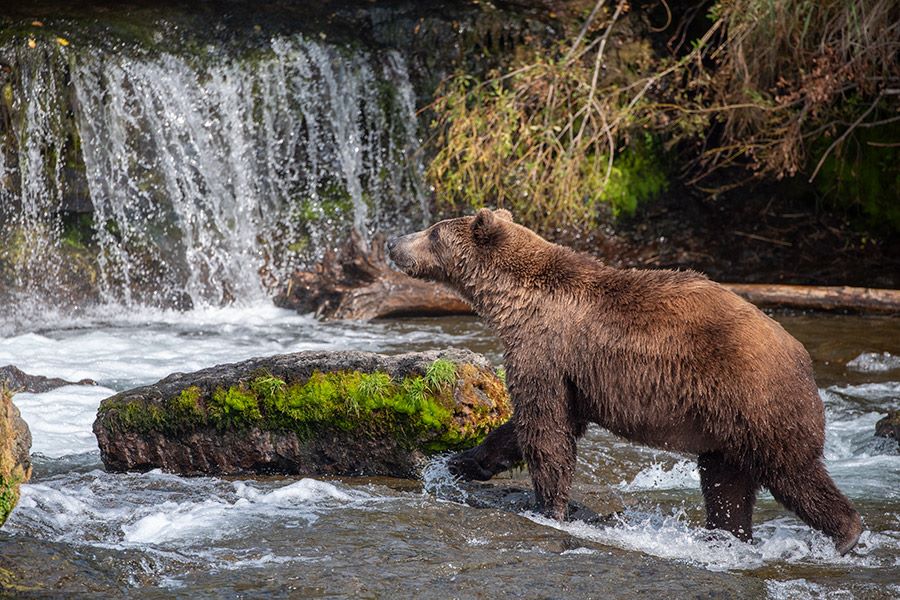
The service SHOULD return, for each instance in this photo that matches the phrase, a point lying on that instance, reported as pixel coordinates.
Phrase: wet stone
(309, 413)
(889, 426)
(15, 446)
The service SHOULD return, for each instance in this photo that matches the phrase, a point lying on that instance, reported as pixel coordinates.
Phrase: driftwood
(357, 283)
(820, 298)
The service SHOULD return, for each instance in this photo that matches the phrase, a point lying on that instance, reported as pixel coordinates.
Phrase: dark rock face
(309, 413)
(889, 426)
(15, 452)
(16, 379)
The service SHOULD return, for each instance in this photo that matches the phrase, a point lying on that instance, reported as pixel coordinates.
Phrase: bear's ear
(485, 226)
(502, 213)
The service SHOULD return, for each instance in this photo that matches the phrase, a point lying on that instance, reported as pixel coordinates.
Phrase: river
(182, 158)
(163, 535)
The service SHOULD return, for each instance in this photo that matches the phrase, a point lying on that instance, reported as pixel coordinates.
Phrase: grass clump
(759, 89)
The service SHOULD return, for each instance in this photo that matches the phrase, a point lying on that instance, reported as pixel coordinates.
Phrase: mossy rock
(15, 447)
(309, 413)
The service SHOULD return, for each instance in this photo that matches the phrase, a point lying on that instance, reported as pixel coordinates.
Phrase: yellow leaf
(37, 23)
(62, 41)
(31, 43)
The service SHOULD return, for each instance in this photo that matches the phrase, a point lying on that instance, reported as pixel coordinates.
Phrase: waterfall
(212, 176)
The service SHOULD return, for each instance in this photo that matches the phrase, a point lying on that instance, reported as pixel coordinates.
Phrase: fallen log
(357, 283)
(819, 298)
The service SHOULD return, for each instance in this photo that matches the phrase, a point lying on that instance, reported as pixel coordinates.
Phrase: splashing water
(438, 481)
(210, 177)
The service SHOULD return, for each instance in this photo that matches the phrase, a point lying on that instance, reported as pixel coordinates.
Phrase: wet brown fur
(664, 358)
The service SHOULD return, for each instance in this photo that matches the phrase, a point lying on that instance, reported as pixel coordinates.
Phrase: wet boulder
(889, 426)
(15, 450)
(309, 413)
(16, 379)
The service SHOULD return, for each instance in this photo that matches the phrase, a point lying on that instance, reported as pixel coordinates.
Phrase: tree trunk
(819, 298)
(357, 283)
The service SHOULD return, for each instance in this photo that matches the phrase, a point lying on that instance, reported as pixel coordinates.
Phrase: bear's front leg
(548, 432)
(497, 453)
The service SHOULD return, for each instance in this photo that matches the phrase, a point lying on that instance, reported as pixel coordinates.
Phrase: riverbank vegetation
(713, 96)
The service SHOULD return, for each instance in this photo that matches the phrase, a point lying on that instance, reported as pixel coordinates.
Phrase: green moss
(862, 176)
(184, 411)
(418, 410)
(235, 407)
(637, 176)
(501, 374)
(11, 473)
(373, 390)
(8, 497)
(77, 230)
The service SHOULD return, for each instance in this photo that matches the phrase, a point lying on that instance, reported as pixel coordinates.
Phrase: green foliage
(546, 141)
(564, 135)
(865, 176)
(501, 374)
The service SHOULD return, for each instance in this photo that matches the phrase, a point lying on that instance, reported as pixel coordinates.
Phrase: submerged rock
(15, 451)
(889, 426)
(15, 378)
(310, 413)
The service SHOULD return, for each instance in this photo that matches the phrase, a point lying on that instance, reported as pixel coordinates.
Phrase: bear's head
(469, 252)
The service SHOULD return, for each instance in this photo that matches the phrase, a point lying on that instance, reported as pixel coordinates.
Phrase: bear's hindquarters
(729, 494)
(811, 494)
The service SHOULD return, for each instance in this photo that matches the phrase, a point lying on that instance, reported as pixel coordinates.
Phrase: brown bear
(664, 358)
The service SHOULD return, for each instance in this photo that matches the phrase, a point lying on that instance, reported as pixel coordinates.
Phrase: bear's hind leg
(729, 494)
(811, 494)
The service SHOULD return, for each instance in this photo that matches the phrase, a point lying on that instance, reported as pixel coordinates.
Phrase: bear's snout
(411, 254)
(397, 249)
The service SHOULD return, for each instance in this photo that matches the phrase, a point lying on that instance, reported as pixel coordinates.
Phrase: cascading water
(210, 177)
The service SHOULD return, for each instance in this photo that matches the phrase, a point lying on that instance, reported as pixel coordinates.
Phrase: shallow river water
(80, 529)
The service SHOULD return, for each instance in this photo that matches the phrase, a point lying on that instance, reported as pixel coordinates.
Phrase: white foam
(801, 589)
(683, 475)
(60, 420)
(303, 491)
(167, 511)
(875, 362)
(672, 536)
